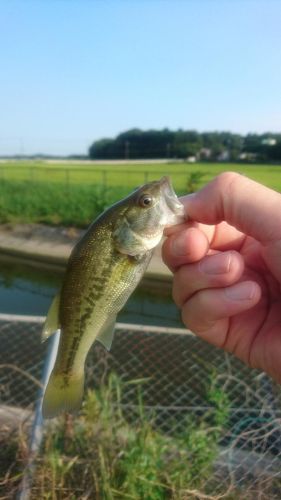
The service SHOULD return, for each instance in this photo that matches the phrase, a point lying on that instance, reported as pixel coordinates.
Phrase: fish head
(146, 212)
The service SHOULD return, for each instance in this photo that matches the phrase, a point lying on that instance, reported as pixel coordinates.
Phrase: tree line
(188, 144)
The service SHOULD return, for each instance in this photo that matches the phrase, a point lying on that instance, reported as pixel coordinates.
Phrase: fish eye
(145, 200)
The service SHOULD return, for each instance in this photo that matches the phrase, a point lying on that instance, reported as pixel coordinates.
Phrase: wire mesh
(176, 368)
(106, 177)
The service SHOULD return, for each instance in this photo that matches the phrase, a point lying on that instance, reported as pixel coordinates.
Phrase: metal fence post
(37, 428)
(67, 179)
(104, 178)
(31, 174)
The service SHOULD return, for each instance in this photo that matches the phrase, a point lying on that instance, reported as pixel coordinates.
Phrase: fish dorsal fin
(105, 336)
(51, 324)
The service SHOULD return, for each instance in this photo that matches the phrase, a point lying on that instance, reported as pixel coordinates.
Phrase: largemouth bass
(103, 270)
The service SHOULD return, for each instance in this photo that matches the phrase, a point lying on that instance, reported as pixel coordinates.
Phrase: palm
(255, 335)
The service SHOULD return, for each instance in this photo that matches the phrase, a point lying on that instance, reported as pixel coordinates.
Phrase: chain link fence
(114, 177)
(176, 368)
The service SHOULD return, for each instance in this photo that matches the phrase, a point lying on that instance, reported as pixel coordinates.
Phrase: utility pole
(127, 150)
(168, 150)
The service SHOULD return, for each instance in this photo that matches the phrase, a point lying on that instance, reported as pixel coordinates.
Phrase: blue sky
(74, 71)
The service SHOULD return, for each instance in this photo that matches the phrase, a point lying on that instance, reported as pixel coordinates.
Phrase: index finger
(250, 207)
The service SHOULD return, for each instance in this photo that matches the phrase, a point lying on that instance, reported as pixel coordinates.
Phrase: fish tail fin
(63, 394)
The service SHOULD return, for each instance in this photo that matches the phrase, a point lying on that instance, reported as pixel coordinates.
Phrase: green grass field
(132, 174)
(75, 193)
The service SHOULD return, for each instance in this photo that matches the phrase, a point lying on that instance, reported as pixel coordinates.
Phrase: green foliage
(75, 195)
(136, 143)
(60, 204)
(13, 453)
(107, 453)
(194, 181)
(108, 457)
(129, 176)
(54, 203)
(220, 400)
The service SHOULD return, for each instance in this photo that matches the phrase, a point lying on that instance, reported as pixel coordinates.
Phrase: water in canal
(28, 290)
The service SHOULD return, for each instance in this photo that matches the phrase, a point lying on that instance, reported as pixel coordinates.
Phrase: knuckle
(197, 322)
(226, 185)
(226, 179)
(201, 301)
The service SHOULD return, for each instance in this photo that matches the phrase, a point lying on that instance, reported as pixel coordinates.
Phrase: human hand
(227, 269)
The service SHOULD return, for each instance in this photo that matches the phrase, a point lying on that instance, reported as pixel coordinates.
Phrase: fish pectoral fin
(51, 324)
(105, 336)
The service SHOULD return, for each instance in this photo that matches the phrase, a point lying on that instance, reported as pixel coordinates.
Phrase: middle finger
(213, 271)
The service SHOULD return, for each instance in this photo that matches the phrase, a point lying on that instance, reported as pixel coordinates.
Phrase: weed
(103, 455)
(110, 458)
(53, 204)
(194, 181)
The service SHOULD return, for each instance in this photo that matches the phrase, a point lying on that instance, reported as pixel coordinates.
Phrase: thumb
(248, 206)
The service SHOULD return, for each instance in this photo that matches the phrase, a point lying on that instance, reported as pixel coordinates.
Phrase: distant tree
(102, 149)
(186, 149)
(136, 143)
(274, 152)
(252, 143)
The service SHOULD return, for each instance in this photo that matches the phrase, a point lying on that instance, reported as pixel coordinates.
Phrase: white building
(269, 141)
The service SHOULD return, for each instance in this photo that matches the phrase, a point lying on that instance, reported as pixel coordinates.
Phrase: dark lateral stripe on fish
(72, 352)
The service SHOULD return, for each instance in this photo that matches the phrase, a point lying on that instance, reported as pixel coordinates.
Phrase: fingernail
(179, 245)
(216, 264)
(241, 291)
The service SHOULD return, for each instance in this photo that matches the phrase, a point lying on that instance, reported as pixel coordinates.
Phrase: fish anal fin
(105, 336)
(51, 324)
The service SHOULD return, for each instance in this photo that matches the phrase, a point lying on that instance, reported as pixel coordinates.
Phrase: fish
(103, 270)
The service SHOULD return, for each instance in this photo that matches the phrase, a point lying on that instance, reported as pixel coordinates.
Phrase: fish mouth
(170, 196)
